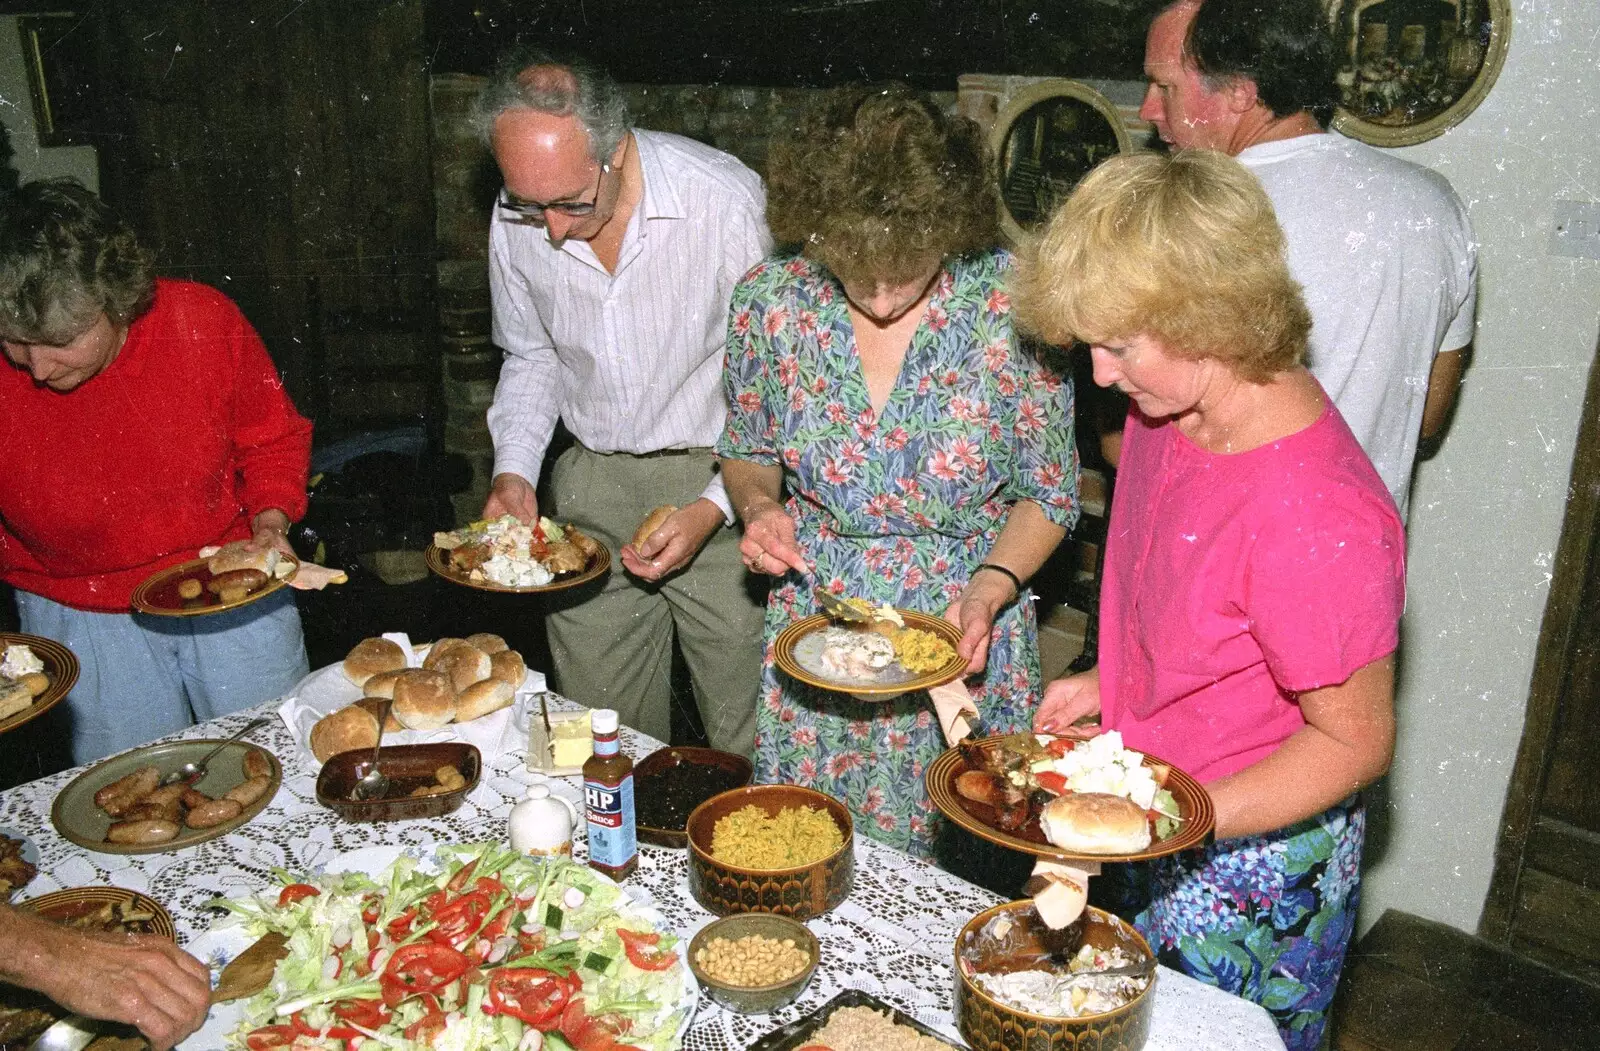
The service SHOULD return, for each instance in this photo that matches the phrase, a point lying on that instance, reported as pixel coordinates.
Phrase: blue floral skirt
(1267, 918)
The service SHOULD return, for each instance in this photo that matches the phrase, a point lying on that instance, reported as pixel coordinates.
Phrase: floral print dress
(897, 507)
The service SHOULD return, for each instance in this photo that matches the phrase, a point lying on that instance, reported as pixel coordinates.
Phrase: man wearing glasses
(613, 253)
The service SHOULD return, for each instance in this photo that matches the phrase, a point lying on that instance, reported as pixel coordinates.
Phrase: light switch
(1577, 230)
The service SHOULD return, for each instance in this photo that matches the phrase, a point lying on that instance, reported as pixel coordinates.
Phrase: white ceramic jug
(542, 823)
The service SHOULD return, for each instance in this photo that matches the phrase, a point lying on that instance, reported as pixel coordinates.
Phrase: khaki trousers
(613, 647)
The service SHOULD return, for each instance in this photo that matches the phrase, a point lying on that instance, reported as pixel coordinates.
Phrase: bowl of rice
(770, 848)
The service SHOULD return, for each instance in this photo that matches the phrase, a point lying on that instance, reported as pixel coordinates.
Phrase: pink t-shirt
(1234, 582)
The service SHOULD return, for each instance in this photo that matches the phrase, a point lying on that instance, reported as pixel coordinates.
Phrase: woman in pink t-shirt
(1254, 569)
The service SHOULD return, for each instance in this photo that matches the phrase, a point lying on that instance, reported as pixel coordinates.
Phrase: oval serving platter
(77, 818)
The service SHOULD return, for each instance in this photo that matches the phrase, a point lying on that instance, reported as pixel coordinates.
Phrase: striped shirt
(631, 361)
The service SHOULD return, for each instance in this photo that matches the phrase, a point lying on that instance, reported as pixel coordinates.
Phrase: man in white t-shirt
(1382, 246)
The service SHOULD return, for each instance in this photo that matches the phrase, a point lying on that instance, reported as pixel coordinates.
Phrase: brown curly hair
(875, 182)
(66, 258)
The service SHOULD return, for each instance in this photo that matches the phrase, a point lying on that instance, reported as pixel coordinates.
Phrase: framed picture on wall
(1412, 69)
(59, 56)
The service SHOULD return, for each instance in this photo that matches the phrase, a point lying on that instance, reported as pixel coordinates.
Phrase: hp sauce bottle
(608, 801)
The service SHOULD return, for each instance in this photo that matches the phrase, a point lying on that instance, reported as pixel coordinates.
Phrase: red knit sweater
(184, 437)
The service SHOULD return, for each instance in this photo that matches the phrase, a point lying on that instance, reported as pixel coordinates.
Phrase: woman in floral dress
(1254, 570)
(929, 460)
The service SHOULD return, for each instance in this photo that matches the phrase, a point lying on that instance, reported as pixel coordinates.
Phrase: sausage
(148, 811)
(256, 764)
(243, 581)
(193, 797)
(248, 792)
(215, 812)
(124, 793)
(142, 832)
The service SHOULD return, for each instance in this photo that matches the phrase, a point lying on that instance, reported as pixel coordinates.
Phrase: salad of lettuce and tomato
(495, 951)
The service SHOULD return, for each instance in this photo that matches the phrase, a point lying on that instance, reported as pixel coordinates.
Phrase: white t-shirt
(1384, 250)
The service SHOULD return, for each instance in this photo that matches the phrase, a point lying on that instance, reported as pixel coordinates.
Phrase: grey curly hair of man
(66, 258)
(591, 96)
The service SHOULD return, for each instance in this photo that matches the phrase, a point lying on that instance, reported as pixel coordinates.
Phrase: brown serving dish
(408, 766)
(670, 782)
(803, 892)
(988, 1025)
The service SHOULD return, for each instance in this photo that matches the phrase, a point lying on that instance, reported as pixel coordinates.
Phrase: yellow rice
(750, 839)
(920, 651)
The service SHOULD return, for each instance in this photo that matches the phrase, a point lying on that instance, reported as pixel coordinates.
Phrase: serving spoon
(72, 1033)
(374, 783)
(837, 608)
(189, 773)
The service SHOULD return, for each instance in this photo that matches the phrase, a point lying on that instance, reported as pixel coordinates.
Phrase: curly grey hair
(594, 98)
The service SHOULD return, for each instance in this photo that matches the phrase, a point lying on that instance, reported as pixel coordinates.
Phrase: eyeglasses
(533, 211)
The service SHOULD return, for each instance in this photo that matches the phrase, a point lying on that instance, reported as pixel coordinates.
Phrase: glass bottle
(608, 801)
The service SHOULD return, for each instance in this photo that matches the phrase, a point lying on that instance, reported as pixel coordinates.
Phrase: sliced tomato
(592, 1033)
(421, 967)
(536, 996)
(333, 1032)
(370, 909)
(461, 918)
(490, 885)
(296, 892)
(270, 1036)
(369, 1014)
(1060, 746)
(1051, 781)
(400, 926)
(643, 950)
(462, 878)
(424, 1029)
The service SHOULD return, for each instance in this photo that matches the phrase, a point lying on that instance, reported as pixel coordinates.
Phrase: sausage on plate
(124, 793)
(248, 792)
(213, 813)
(142, 833)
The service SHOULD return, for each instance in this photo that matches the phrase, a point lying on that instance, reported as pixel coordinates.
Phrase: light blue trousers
(144, 677)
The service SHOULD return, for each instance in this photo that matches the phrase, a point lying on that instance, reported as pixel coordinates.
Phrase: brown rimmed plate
(802, 1031)
(1197, 816)
(64, 906)
(792, 651)
(60, 666)
(76, 816)
(439, 561)
(158, 594)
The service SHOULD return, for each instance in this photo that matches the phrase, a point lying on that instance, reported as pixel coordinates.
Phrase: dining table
(892, 937)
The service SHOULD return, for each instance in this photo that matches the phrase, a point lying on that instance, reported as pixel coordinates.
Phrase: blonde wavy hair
(1183, 248)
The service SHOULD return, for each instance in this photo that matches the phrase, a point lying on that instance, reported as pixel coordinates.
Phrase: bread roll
(424, 699)
(377, 705)
(381, 685)
(437, 651)
(508, 667)
(481, 698)
(235, 556)
(465, 664)
(348, 728)
(14, 697)
(488, 642)
(372, 656)
(1095, 823)
(652, 522)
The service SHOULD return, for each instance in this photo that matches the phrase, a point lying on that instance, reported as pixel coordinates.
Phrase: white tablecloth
(892, 937)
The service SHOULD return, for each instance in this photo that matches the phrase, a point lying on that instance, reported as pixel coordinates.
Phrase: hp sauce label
(613, 840)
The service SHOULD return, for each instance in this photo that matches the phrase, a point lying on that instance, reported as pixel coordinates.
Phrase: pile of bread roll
(460, 680)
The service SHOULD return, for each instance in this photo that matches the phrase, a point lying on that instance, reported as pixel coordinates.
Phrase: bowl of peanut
(753, 962)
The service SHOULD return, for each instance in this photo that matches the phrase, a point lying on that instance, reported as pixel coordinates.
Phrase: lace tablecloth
(892, 937)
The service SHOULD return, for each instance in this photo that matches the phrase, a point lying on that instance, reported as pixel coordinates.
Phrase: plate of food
(25, 1014)
(504, 554)
(1069, 799)
(35, 674)
(893, 651)
(513, 944)
(119, 807)
(19, 862)
(853, 1021)
(228, 579)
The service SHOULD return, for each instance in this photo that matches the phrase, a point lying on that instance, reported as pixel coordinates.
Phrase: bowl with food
(771, 848)
(1020, 984)
(424, 780)
(670, 782)
(754, 962)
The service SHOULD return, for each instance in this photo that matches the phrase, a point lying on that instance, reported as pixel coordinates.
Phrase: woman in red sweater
(142, 420)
